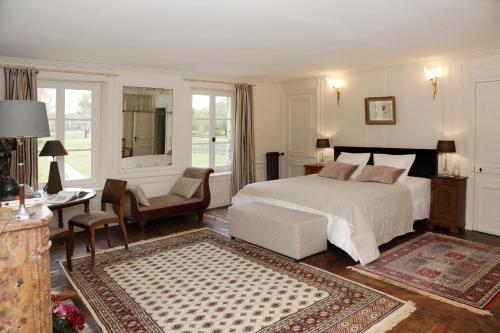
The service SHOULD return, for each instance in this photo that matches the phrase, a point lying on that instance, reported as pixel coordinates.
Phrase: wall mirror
(147, 115)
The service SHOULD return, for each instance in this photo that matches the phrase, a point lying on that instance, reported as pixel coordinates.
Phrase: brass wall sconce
(335, 84)
(432, 74)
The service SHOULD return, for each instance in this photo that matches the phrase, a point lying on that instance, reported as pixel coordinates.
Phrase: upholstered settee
(171, 204)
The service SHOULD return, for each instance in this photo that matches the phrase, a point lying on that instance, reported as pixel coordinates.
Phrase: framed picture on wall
(380, 110)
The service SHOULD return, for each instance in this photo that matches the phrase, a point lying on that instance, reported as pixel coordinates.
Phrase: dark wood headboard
(425, 164)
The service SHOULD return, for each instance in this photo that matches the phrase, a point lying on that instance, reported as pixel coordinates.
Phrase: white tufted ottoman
(286, 231)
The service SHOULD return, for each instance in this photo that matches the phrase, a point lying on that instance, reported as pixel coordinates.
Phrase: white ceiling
(276, 39)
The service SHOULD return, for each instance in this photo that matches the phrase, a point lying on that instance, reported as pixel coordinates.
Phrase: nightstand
(448, 202)
(310, 169)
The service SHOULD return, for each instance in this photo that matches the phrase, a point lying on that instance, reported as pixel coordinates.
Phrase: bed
(361, 216)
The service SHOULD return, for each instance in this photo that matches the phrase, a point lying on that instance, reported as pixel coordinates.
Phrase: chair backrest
(114, 193)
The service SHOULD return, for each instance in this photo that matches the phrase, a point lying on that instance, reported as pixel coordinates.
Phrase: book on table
(64, 196)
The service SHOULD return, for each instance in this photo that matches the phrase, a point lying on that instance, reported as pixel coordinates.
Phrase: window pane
(200, 130)
(78, 104)
(222, 107)
(200, 155)
(52, 128)
(201, 106)
(77, 165)
(43, 168)
(223, 130)
(48, 96)
(77, 134)
(223, 154)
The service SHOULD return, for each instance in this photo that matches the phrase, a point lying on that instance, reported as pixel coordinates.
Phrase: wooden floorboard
(430, 316)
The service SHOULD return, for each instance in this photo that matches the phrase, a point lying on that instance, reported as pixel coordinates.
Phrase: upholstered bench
(289, 232)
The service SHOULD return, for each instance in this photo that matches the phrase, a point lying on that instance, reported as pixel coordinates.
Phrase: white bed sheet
(420, 189)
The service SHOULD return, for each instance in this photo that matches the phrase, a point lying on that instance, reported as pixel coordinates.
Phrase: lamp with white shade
(23, 119)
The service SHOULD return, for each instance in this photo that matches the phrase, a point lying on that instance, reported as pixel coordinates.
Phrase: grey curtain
(244, 141)
(20, 84)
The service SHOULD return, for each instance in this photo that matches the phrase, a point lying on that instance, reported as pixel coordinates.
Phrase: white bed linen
(361, 216)
(420, 189)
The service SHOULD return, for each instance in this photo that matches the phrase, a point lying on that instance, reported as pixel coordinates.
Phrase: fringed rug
(218, 214)
(202, 281)
(463, 273)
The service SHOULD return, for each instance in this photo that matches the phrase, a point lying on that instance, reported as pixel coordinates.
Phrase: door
(487, 158)
(299, 132)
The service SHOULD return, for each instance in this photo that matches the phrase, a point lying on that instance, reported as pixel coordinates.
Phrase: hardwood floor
(430, 316)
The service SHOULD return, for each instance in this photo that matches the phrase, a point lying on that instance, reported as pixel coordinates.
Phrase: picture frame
(380, 110)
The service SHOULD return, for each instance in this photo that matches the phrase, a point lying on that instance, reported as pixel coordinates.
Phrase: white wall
(158, 180)
(421, 122)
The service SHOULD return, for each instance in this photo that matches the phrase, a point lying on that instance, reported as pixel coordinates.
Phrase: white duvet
(361, 216)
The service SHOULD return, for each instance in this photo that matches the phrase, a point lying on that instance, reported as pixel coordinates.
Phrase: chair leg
(87, 240)
(200, 216)
(69, 251)
(108, 237)
(71, 239)
(124, 232)
(92, 245)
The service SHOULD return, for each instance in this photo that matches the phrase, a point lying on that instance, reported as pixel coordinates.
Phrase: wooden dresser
(25, 304)
(310, 169)
(448, 196)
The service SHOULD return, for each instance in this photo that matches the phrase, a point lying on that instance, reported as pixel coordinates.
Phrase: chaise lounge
(171, 204)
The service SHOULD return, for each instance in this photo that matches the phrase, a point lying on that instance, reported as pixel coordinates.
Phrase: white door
(299, 132)
(487, 158)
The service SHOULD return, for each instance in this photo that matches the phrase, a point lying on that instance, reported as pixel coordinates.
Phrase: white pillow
(359, 159)
(139, 194)
(185, 187)
(395, 161)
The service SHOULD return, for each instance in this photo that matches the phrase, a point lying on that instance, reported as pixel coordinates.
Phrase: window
(212, 130)
(72, 112)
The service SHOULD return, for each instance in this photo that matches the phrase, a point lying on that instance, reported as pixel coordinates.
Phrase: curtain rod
(213, 81)
(59, 70)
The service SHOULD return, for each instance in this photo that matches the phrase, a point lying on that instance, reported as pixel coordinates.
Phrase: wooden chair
(114, 194)
(60, 233)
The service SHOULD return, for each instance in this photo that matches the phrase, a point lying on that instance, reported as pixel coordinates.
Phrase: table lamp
(445, 147)
(53, 148)
(23, 119)
(322, 143)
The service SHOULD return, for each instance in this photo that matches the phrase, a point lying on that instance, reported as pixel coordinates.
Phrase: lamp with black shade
(23, 119)
(446, 147)
(53, 148)
(322, 144)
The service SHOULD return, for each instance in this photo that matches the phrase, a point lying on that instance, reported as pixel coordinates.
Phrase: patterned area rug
(201, 281)
(218, 214)
(463, 273)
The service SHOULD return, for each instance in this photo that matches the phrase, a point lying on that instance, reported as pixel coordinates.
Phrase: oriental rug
(463, 273)
(202, 281)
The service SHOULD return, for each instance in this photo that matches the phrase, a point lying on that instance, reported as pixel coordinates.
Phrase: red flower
(76, 318)
(55, 298)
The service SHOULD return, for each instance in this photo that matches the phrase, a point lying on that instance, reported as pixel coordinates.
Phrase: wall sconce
(335, 84)
(432, 74)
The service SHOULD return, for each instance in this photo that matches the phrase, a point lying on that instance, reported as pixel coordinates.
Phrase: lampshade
(53, 148)
(23, 119)
(446, 146)
(322, 143)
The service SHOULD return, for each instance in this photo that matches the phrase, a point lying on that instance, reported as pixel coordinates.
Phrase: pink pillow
(337, 170)
(380, 174)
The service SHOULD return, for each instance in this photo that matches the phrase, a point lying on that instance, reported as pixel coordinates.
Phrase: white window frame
(60, 87)
(211, 145)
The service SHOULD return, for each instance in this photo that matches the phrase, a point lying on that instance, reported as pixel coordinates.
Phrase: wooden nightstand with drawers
(310, 169)
(448, 202)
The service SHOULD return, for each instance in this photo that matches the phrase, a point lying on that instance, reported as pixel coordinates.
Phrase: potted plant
(66, 318)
